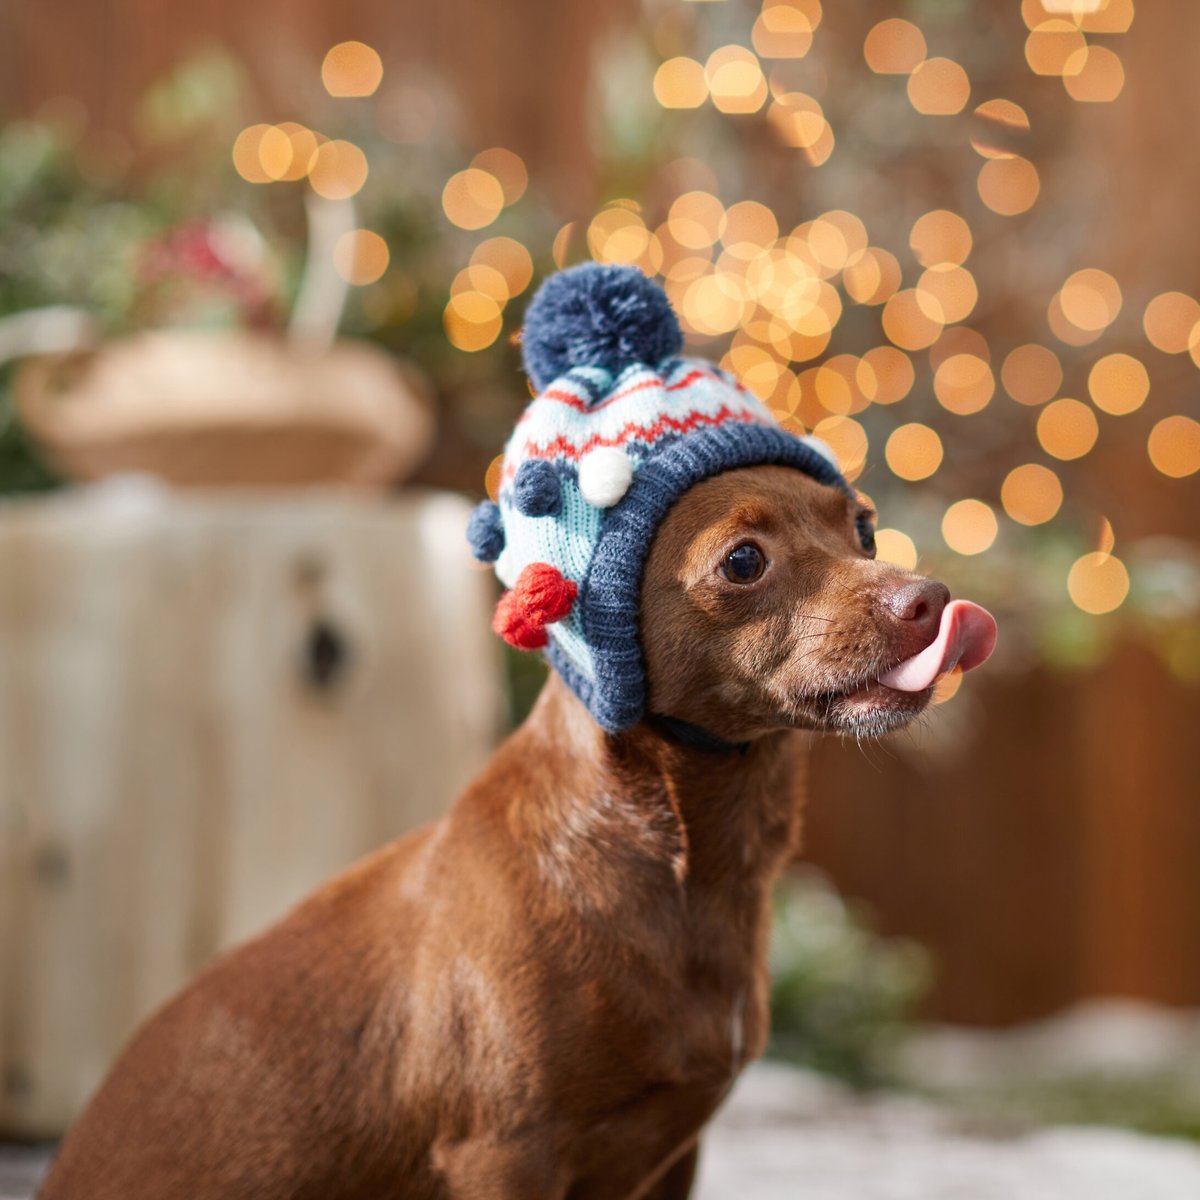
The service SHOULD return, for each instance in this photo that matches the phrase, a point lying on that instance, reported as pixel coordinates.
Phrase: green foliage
(1165, 1102)
(841, 995)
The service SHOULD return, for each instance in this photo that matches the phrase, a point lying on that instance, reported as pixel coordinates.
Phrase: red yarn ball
(541, 595)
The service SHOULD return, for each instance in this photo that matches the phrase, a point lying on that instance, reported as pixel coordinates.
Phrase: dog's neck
(723, 823)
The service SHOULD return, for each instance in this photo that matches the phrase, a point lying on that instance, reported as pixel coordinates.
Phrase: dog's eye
(745, 564)
(864, 523)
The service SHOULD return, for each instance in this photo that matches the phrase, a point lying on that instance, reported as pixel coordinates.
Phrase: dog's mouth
(881, 702)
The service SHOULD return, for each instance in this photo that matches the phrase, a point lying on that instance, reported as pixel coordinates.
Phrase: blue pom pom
(597, 316)
(485, 532)
(536, 489)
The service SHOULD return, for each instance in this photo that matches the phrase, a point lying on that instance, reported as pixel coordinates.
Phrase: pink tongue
(965, 638)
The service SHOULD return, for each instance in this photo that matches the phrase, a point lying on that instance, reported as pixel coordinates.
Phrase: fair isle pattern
(642, 407)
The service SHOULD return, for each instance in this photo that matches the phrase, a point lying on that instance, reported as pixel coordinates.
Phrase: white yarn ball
(822, 448)
(605, 475)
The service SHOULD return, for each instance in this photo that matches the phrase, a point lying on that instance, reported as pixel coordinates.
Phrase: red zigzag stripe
(560, 445)
(572, 401)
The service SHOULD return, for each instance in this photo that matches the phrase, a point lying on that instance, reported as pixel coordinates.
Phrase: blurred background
(261, 270)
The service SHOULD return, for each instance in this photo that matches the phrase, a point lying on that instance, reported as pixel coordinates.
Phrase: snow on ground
(788, 1135)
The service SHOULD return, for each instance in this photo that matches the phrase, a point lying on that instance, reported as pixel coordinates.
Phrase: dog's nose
(921, 603)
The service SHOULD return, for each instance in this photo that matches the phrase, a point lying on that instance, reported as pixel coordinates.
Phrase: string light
(1098, 583)
(1170, 322)
(351, 69)
(1031, 494)
(913, 451)
(472, 199)
(1118, 384)
(735, 80)
(507, 168)
(360, 256)
(782, 31)
(969, 527)
(894, 47)
(1067, 429)
(1094, 75)
(1031, 374)
(895, 546)
(939, 87)
(680, 83)
(940, 238)
(1174, 446)
(964, 384)
(998, 125)
(339, 170)
(1008, 186)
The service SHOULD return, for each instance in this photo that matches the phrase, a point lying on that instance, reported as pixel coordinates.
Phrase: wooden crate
(207, 705)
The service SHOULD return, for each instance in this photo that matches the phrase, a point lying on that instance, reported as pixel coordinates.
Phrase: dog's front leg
(489, 1168)
(676, 1184)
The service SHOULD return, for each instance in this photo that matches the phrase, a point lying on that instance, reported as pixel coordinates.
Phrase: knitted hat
(620, 429)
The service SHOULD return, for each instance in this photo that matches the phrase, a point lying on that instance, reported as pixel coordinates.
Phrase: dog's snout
(920, 605)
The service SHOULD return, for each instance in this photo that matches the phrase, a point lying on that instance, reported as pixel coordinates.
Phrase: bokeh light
(1174, 446)
(1031, 494)
(946, 686)
(1090, 299)
(848, 441)
(1067, 429)
(999, 125)
(908, 324)
(1094, 75)
(940, 238)
(735, 80)
(351, 69)
(872, 276)
(472, 321)
(947, 293)
(508, 169)
(939, 87)
(747, 228)
(509, 258)
(969, 527)
(894, 47)
(1065, 330)
(1098, 583)
(1170, 322)
(694, 220)
(360, 256)
(799, 120)
(472, 199)
(964, 384)
(895, 546)
(1118, 384)
(1031, 374)
(339, 170)
(1051, 46)
(1008, 186)
(783, 31)
(303, 144)
(913, 451)
(245, 154)
(680, 83)
(892, 373)
(1104, 16)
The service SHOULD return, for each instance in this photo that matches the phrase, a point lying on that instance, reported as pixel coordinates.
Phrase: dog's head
(763, 607)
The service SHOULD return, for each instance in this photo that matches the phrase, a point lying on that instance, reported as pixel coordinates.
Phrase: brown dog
(549, 992)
